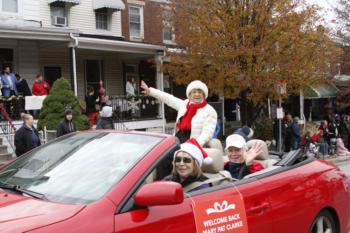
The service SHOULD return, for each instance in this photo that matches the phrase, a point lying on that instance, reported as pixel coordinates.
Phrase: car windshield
(79, 168)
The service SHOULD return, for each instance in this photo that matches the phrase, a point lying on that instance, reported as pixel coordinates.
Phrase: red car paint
(284, 202)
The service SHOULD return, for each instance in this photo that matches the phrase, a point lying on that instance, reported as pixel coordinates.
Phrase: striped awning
(111, 4)
(320, 91)
(75, 2)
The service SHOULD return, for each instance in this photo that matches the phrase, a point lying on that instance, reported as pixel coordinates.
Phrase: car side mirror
(160, 193)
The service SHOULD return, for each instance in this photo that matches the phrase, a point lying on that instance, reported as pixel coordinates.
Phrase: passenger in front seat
(187, 164)
(241, 162)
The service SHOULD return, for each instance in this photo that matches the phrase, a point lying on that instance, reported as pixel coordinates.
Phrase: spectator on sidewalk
(347, 123)
(288, 136)
(90, 100)
(9, 83)
(40, 86)
(296, 134)
(320, 141)
(106, 121)
(26, 137)
(344, 131)
(241, 162)
(324, 128)
(67, 125)
(341, 149)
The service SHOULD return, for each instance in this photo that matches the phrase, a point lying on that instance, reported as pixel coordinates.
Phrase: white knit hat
(235, 140)
(197, 85)
(192, 147)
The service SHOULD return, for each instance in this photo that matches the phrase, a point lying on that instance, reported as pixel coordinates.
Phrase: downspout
(74, 65)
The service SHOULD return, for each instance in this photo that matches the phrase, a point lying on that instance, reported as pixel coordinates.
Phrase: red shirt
(41, 88)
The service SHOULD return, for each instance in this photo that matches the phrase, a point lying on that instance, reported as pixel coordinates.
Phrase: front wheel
(324, 223)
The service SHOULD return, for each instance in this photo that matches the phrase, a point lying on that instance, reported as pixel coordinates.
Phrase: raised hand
(145, 88)
(250, 155)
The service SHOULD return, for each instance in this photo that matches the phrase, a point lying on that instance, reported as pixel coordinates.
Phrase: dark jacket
(24, 140)
(295, 131)
(65, 127)
(105, 123)
(188, 181)
(23, 88)
(90, 103)
(238, 171)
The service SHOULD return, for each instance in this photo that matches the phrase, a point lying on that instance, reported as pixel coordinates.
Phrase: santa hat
(193, 148)
(197, 85)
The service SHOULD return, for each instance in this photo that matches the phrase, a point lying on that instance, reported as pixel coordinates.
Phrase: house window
(6, 58)
(102, 19)
(136, 21)
(9, 6)
(59, 15)
(168, 32)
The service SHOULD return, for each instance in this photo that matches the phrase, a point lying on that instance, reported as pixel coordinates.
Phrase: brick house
(83, 42)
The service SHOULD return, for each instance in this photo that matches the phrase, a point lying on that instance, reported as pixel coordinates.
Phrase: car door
(180, 218)
(296, 196)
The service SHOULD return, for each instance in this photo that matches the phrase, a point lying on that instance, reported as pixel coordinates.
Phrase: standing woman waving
(195, 118)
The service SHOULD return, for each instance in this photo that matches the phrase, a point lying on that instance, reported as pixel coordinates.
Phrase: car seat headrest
(216, 164)
(265, 152)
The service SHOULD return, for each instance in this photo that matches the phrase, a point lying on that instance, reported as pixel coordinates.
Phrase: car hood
(19, 213)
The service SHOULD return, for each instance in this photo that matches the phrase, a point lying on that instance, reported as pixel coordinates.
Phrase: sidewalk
(337, 159)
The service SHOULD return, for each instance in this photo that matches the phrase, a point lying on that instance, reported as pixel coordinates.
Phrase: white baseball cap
(235, 140)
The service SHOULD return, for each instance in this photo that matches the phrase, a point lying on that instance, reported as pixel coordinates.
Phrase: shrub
(61, 97)
(263, 128)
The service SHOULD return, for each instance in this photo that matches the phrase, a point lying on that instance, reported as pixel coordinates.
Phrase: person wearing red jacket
(241, 162)
(40, 87)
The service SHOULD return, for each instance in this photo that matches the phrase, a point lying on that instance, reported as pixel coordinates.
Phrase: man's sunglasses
(184, 159)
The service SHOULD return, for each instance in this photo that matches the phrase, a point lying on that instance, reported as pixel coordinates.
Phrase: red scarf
(186, 121)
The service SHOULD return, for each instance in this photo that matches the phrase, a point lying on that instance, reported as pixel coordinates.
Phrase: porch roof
(319, 91)
(111, 4)
(36, 33)
(118, 46)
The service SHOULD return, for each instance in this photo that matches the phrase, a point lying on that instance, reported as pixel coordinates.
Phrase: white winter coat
(203, 123)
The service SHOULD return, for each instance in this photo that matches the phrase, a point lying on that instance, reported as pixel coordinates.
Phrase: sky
(328, 6)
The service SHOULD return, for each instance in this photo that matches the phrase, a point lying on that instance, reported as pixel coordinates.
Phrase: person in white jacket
(195, 118)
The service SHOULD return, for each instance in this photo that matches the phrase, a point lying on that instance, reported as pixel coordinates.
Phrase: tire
(324, 223)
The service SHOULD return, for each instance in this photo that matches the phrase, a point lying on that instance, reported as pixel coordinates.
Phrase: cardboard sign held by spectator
(221, 215)
(34, 102)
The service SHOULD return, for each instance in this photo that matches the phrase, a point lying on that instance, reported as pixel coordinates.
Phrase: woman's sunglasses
(184, 159)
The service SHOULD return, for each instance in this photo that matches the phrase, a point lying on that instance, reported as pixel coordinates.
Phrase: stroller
(333, 145)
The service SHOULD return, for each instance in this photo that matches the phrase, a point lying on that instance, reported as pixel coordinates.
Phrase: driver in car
(241, 161)
(187, 164)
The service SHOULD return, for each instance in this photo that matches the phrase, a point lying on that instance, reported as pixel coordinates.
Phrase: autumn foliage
(242, 47)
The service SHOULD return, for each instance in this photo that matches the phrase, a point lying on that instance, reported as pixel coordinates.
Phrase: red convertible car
(109, 181)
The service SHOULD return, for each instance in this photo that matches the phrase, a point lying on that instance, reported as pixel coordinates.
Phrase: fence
(134, 108)
(7, 131)
(13, 105)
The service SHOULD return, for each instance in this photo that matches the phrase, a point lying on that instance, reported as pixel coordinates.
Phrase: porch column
(73, 46)
(160, 83)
